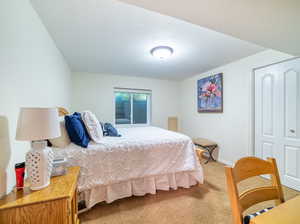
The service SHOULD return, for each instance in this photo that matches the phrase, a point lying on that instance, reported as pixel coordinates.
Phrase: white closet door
(277, 118)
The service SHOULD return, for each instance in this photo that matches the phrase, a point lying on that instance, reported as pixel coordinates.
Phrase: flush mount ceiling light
(162, 52)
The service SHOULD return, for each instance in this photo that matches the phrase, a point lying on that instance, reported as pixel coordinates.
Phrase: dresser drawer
(51, 212)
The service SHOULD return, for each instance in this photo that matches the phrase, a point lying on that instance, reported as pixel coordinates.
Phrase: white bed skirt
(140, 187)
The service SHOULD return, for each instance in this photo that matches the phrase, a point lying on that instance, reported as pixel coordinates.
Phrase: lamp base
(39, 165)
(40, 187)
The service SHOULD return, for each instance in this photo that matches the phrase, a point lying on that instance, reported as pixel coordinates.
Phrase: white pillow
(92, 125)
(63, 140)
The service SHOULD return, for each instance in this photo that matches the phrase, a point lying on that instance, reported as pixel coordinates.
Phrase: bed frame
(62, 111)
(81, 207)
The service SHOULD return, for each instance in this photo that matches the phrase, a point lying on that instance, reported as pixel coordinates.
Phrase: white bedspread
(140, 152)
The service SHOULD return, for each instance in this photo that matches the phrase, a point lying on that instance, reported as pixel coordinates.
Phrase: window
(132, 107)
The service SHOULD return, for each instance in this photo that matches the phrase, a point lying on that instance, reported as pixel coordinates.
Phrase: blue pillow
(102, 127)
(110, 130)
(76, 130)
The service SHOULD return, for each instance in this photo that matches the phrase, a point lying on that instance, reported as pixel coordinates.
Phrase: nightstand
(55, 204)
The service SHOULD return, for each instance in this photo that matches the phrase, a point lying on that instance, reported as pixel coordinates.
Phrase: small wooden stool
(207, 146)
(200, 153)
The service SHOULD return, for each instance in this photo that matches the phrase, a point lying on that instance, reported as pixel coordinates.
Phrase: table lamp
(37, 125)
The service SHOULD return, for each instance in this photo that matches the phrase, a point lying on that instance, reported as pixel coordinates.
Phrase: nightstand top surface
(59, 187)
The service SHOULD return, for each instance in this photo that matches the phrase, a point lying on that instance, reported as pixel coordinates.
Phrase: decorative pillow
(93, 126)
(76, 130)
(102, 126)
(63, 140)
(110, 130)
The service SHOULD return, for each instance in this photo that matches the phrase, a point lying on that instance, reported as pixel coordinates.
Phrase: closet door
(267, 112)
(277, 118)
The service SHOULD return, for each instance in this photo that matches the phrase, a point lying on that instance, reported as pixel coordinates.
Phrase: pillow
(110, 130)
(102, 126)
(93, 126)
(63, 140)
(76, 130)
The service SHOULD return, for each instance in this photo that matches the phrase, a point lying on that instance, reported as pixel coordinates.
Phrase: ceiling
(108, 36)
(269, 23)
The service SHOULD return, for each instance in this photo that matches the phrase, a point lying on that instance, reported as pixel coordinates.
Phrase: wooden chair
(246, 168)
(173, 124)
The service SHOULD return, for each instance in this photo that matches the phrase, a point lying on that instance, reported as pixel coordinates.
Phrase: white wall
(95, 92)
(32, 73)
(232, 128)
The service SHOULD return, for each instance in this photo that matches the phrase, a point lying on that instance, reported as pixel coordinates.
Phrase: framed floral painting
(210, 93)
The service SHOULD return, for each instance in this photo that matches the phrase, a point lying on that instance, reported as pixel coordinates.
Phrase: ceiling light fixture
(162, 52)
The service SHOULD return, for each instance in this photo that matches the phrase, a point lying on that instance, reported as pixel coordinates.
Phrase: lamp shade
(38, 124)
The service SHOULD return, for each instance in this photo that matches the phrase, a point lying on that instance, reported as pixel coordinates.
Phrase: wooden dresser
(55, 204)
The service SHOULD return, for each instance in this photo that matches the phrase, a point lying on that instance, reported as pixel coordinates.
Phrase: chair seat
(247, 218)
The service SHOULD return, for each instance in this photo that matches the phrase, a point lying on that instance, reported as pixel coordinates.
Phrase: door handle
(292, 130)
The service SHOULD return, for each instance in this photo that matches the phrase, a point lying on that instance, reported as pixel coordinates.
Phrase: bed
(141, 161)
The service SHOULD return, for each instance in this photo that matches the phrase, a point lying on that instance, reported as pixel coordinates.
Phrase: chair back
(173, 124)
(249, 167)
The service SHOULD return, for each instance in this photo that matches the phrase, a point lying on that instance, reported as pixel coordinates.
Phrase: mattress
(141, 153)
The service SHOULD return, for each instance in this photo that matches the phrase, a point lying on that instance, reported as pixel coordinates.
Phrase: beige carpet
(207, 204)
